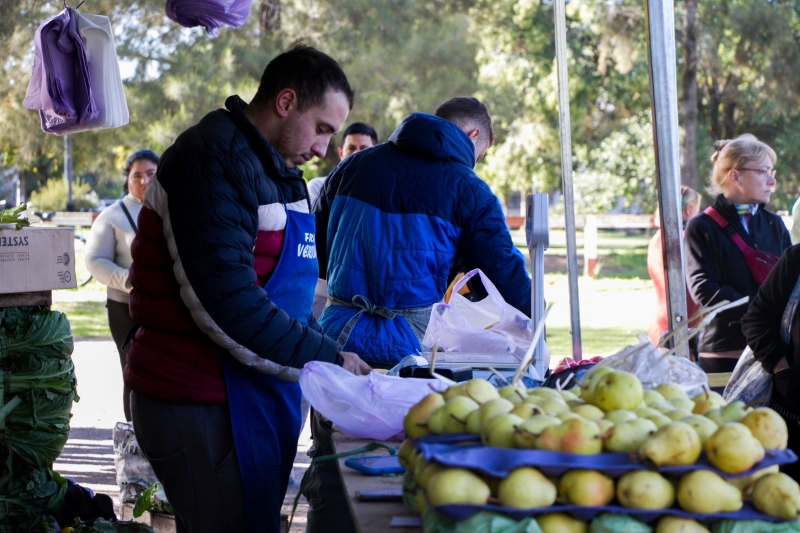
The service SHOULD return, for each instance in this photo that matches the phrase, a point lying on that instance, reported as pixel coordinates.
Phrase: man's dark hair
(308, 72)
(360, 128)
(462, 110)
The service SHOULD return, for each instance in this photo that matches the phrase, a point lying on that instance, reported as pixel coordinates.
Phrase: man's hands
(354, 364)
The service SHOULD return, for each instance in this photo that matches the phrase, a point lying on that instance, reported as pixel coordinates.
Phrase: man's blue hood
(434, 137)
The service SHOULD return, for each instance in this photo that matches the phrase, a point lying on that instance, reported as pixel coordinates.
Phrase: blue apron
(265, 410)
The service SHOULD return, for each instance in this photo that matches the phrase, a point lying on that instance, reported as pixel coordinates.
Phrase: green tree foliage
(53, 196)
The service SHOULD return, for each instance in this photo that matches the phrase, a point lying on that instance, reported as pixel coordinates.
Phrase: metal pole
(560, 19)
(659, 15)
(68, 173)
(537, 233)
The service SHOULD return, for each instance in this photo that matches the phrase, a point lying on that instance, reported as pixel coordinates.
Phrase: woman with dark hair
(731, 244)
(108, 249)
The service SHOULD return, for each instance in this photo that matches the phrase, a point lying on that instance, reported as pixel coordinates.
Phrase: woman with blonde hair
(732, 245)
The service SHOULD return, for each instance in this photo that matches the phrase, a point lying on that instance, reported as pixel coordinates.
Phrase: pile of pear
(609, 412)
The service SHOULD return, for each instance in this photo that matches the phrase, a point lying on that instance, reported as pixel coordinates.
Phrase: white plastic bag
(488, 326)
(653, 368)
(749, 382)
(134, 473)
(368, 407)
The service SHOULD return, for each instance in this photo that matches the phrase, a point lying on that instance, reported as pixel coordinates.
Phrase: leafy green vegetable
(30, 499)
(13, 215)
(152, 498)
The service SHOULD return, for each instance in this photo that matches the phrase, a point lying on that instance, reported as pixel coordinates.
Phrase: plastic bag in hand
(488, 326)
(368, 407)
(749, 382)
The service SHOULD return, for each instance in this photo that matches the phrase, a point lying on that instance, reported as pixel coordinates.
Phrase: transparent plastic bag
(368, 407)
(653, 368)
(749, 382)
(488, 326)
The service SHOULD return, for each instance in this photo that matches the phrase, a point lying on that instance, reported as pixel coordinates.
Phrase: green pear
(513, 394)
(589, 381)
(561, 523)
(662, 407)
(618, 390)
(643, 489)
(480, 390)
(673, 444)
(619, 415)
(405, 452)
(733, 449)
(708, 395)
(644, 412)
(651, 397)
(568, 395)
(659, 419)
(589, 412)
(768, 427)
(526, 433)
(436, 421)
(681, 402)
(499, 432)
(604, 425)
(526, 488)
(705, 405)
(733, 412)
(573, 436)
(526, 410)
(551, 406)
(745, 483)
(546, 392)
(415, 423)
(777, 495)
(452, 391)
(677, 414)
(586, 487)
(628, 436)
(492, 408)
(419, 501)
(457, 485)
(419, 466)
(473, 425)
(702, 425)
(457, 409)
(704, 492)
(427, 473)
(674, 524)
(671, 390)
(575, 403)
(576, 391)
(569, 415)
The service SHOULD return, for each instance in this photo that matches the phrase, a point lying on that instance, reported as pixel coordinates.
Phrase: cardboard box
(37, 259)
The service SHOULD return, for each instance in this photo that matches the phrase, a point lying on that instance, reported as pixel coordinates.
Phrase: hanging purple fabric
(60, 86)
(210, 14)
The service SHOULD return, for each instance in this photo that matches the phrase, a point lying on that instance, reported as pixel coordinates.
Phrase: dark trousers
(191, 450)
(120, 323)
(789, 412)
(327, 502)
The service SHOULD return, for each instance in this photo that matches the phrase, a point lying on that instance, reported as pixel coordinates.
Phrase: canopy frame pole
(660, 25)
(565, 128)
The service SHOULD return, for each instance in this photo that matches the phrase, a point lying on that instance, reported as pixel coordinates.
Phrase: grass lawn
(614, 307)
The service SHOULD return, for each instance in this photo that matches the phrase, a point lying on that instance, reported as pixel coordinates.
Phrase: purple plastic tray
(462, 512)
(498, 462)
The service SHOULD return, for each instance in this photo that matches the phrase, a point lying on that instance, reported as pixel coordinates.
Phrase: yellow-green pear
(617, 390)
(709, 395)
(526, 433)
(651, 397)
(644, 489)
(733, 449)
(619, 415)
(575, 403)
(662, 407)
(681, 402)
(457, 485)
(659, 419)
(526, 410)
(677, 414)
(674, 524)
(427, 473)
(436, 421)
(526, 488)
(405, 452)
(702, 425)
(499, 431)
(576, 391)
(604, 425)
(589, 412)
(452, 391)
(546, 392)
(492, 408)
(628, 436)
(644, 412)
(704, 406)
(578, 435)
(703, 491)
(561, 523)
(589, 381)
(673, 444)
(552, 406)
(457, 409)
(586, 487)
(569, 415)
(473, 425)
(419, 501)
(671, 390)
(415, 423)
(768, 427)
(745, 483)
(733, 412)
(480, 390)
(513, 394)
(777, 495)
(419, 466)
(568, 395)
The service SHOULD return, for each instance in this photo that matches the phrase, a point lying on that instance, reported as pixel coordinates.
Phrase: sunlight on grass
(87, 319)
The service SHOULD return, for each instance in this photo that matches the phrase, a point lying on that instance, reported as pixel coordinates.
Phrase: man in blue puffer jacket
(392, 223)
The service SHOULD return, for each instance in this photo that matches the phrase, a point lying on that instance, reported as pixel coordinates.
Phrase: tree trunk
(689, 97)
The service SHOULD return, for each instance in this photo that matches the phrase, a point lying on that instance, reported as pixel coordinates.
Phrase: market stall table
(372, 517)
